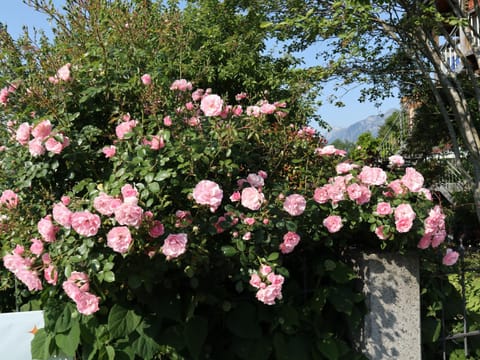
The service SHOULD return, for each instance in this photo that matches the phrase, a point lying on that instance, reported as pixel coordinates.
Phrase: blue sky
(16, 14)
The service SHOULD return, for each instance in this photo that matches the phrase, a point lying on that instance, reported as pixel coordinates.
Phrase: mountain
(351, 133)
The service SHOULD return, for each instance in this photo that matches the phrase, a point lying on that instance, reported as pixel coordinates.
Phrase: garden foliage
(150, 216)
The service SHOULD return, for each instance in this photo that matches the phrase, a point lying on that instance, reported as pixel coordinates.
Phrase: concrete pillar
(392, 324)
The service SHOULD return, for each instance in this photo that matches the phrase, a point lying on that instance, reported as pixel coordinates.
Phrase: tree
(363, 41)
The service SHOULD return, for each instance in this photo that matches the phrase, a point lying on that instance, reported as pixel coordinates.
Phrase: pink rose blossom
(42, 130)
(383, 208)
(64, 72)
(30, 279)
(87, 303)
(249, 221)
(62, 215)
(47, 230)
(253, 111)
(404, 216)
(345, 167)
(333, 223)
(106, 204)
(9, 199)
(237, 110)
(174, 245)
(207, 192)
(129, 215)
(181, 85)
(129, 194)
(236, 196)
(65, 200)
(23, 133)
(329, 150)
(247, 236)
(197, 94)
(241, 96)
(396, 161)
(398, 187)
(379, 231)
(372, 176)
(450, 257)
(290, 240)
(267, 108)
(124, 128)
(255, 180)
(37, 247)
(251, 198)
(109, 151)
(320, 195)
(46, 259)
(413, 180)
(256, 281)
(156, 230)
(167, 121)
(295, 204)
(146, 79)
(53, 145)
(119, 239)
(211, 105)
(265, 269)
(36, 148)
(85, 223)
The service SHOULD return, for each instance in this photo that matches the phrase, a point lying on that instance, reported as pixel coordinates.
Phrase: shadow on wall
(392, 289)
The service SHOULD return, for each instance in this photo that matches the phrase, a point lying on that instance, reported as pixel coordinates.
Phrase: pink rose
(46, 229)
(181, 85)
(404, 216)
(207, 192)
(255, 180)
(119, 239)
(384, 208)
(50, 274)
(174, 245)
(37, 247)
(106, 204)
(256, 281)
(251, 198)
(344, 168)
(450, 257)
(23, 133)
(211, 105)
(295, 204)
(396, 161)
(124, 128)
(85, 223)
(253, 111)
(413, 180)
(129, 193)
(379, 231)
(29, 278)
(129, 215)
(372, 176)
(87, 303)
(146, 79)
(35, 147)
(156, 230)
(156, 143)
(290, 240)
(197, 94)
(236, 196)
(42, 130)
(109, 151)
(267, 108)
(53, 145)
(9, 198)
(64, 72)
(167, 121)
(320, 195)
(62, 215)
(398, 187)
(333, 223)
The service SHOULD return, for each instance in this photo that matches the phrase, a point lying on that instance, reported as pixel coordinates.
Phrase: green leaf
(69, 342)
(328, 348)
(273, 256)
(154, 187)
(228, 250)
(40, 345)
(122, 322)
(109, 276)
(162, 175)
(145, 346)
(195, 332)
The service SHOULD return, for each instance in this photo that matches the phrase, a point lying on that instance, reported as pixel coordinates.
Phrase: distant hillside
(351, 133)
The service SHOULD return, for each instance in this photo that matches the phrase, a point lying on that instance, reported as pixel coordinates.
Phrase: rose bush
(150, 217)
